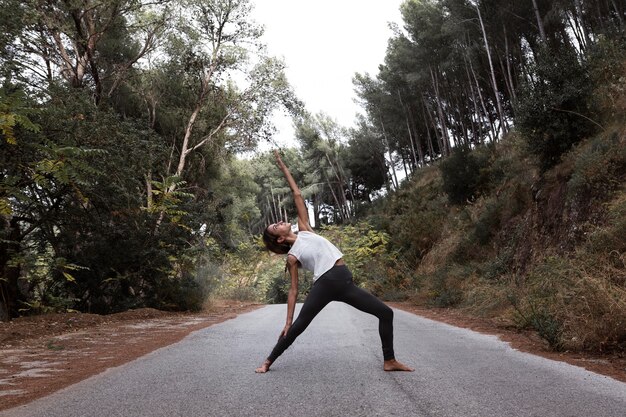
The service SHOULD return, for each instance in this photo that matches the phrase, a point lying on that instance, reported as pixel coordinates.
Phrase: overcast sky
(324, 43)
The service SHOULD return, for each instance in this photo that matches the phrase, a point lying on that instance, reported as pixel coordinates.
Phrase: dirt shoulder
(40, 355)
(612, 365)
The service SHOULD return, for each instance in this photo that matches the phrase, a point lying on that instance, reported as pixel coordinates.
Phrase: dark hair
(271, 243)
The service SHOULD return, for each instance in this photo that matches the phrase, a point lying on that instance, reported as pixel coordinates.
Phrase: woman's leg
(366, 302)
(317, 299)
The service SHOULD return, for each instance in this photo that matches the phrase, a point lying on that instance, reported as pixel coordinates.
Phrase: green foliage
(414, 216)
(123, 171)
(484, 256)
(608, 72)
(367, 252)
(186, 293)
(463, 174)
(488, 223)
(365, 160)
(166, 197)
(13, 113)
(370, 256)
(554, 112)
(498, 266)
(278, 290)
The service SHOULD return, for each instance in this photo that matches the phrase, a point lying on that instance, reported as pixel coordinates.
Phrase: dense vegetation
(486, 173)
(120, 119)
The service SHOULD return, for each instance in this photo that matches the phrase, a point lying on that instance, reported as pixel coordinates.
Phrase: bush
(463, 174)
(444, 286)
(372, 260)
(186, 294)
(277, 291)
(489, 222)
(415, 215)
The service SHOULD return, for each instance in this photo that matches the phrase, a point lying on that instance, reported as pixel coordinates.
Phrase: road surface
(335, 369)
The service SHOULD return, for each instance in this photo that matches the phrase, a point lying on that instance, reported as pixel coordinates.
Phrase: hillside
(541, 250)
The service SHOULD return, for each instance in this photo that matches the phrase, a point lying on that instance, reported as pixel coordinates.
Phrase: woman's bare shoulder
(292, 260)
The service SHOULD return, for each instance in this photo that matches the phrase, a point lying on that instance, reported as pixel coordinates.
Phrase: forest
(486, 172)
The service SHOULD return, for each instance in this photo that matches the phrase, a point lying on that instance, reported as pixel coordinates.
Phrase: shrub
(372, 260)
(463, 174)
(277, 291)
(188, 295)
(444, 286)
(499, 265)
(489, 221)
(416, 215)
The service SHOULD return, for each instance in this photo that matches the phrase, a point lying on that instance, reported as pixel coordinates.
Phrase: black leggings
(337, 285)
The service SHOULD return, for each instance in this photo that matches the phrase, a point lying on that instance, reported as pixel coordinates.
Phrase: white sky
(324, 43)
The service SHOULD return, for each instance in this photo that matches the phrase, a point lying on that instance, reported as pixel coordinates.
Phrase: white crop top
(315, 253)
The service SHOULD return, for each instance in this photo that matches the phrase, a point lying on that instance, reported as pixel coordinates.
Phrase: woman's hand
(303, 214)
(285, 330)
(279, 160)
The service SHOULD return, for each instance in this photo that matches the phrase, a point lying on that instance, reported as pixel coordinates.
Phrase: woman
(332, 281)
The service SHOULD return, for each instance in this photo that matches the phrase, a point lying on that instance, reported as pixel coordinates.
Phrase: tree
(554, 111)
(205, 52)
(365, 160)
(85, 43)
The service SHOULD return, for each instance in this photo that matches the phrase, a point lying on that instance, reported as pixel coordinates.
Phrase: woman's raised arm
(303, 213)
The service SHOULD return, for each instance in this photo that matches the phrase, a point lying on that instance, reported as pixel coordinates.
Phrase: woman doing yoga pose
(332, 281)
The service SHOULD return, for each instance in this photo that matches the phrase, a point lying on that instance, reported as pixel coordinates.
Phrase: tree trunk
(346, 181)
(149, 190)
(393, 168)
(342, 183)
(433, 122)
(493, 74)
(618, 13)
(316, 209)
(509, 74)
(332, 191)
(408, 127)
(9, 290)
(476, 119)
(542, 31)
(440, 113)
(429, 139)
(276, 209)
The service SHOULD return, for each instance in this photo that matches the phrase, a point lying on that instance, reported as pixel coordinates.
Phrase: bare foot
(263, 368)
(394, 365)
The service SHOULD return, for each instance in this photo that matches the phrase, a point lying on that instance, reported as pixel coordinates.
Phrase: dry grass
(593, 312)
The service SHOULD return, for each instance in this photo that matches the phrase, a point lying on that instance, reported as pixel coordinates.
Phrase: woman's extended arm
(303, 213)
(292, 265)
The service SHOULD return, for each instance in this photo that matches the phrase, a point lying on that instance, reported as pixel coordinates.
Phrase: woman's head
(274, 237)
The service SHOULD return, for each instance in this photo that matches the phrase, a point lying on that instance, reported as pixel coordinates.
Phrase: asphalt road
(335, 369)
